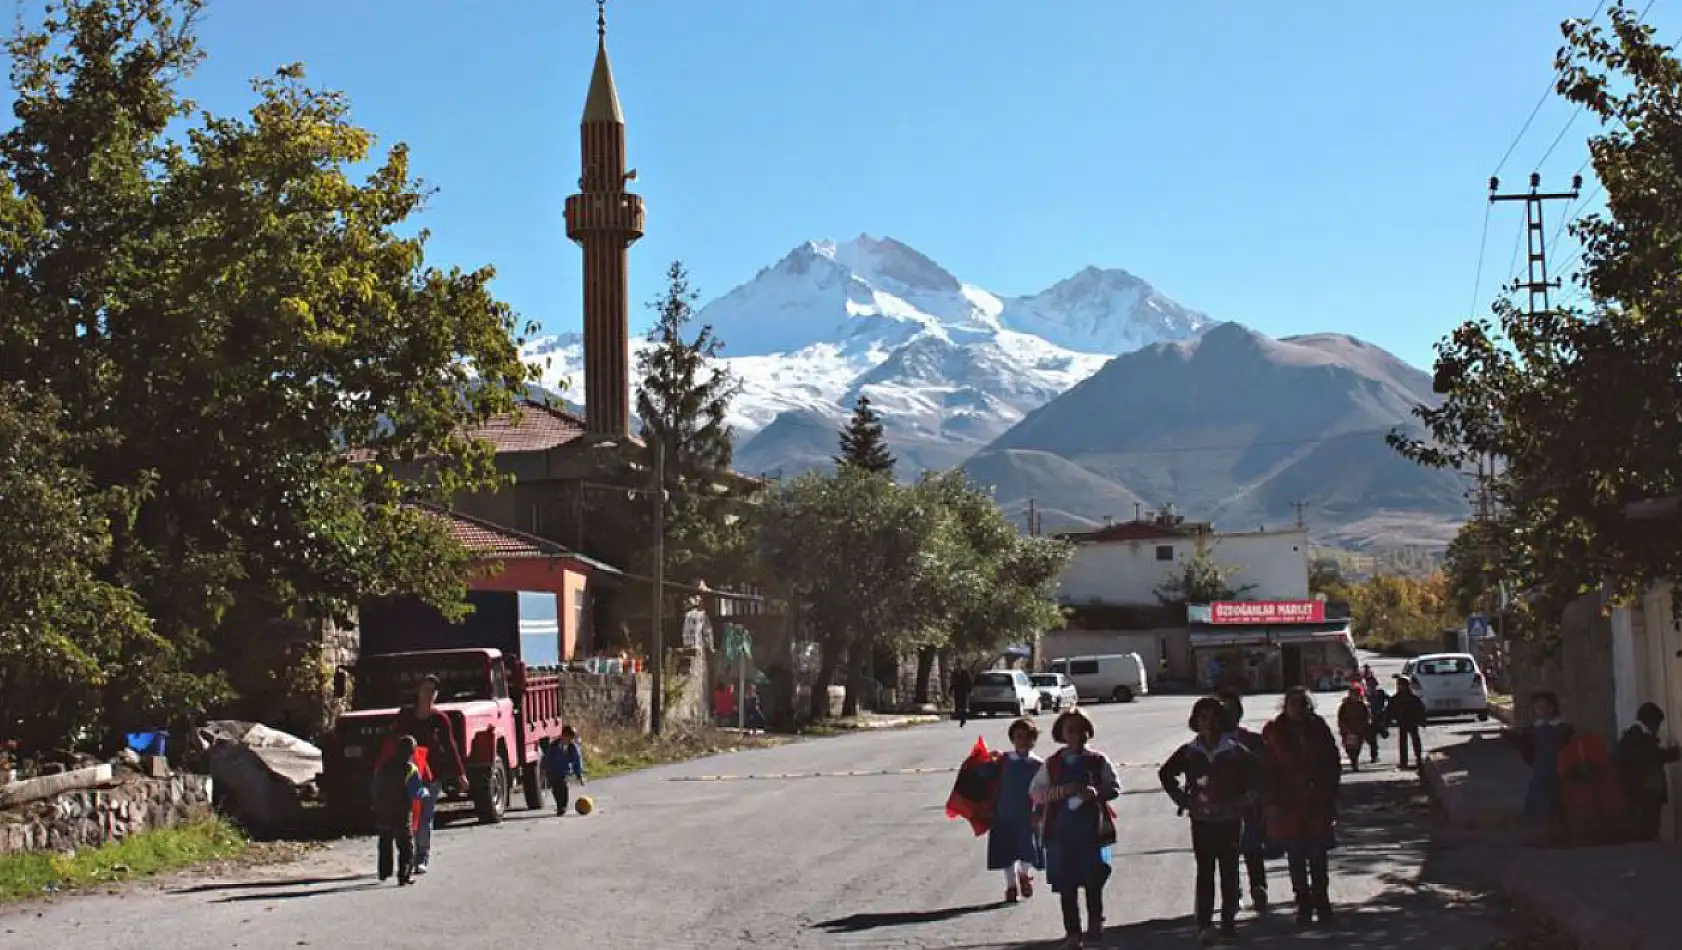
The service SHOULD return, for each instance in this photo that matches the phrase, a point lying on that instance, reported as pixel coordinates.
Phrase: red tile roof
(535, 428)
(492, 541)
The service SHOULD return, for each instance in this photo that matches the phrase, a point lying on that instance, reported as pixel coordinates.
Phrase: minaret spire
(605, 220)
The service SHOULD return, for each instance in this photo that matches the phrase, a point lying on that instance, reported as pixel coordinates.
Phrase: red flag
(976, 790)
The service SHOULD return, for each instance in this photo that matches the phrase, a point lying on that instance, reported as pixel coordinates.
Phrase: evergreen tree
(683, 402)
(862, 444)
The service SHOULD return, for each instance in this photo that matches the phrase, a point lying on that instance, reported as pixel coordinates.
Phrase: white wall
(1129, 572)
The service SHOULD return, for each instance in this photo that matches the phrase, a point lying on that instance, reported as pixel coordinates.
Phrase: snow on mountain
(944, 360)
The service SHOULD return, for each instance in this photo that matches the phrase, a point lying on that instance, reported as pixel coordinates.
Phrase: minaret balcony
(618, 213)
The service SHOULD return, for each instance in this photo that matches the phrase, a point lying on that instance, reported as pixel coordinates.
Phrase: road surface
(738, 851)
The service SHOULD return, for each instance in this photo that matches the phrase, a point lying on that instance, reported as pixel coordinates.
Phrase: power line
(1540, 102)
(1483, 248)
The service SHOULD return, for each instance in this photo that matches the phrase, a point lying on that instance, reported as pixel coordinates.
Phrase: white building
(1124, 564)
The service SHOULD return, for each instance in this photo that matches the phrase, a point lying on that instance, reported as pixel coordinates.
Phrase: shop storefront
(1267, 647)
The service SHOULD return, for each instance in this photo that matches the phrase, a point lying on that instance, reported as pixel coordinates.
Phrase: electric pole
(1301, 508)
(1033, 518)
(1536, 236)
(657, 607)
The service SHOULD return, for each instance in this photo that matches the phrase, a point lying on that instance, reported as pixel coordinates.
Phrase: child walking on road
(562, 761)
(396, 787)
(1215, 779)
(1252, 843)
(1354, 723)
(1013, 843)
(1076, 787)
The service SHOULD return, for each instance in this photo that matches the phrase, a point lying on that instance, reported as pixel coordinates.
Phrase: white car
(1056, 692)
(1004, 691)
(1449, 684)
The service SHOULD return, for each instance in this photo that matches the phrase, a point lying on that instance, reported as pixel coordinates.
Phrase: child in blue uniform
(1013, 844)
(1075, 787)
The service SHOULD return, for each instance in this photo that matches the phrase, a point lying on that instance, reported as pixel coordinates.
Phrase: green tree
(236, 311)
(863, 446)
(683, 400)
(1389, 609)
(994, 586)
(849, 550)
(1200, 580)
(63, 630)
(1531, 390)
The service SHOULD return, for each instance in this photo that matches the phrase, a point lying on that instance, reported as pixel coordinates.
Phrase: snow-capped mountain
(944, 360)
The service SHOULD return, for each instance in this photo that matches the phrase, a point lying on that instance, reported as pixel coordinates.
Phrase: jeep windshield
(384, 682)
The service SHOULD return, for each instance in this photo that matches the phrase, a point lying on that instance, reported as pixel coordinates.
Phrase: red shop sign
(1268, 611)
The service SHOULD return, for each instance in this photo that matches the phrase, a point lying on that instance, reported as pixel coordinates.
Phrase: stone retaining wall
(96, 816)
(624, 700)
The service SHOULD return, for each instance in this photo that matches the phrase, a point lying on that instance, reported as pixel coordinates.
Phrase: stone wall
(96, 816)
(624, 700)
(1577, 667)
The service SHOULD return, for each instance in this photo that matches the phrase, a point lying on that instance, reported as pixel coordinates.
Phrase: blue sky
(1296, 166)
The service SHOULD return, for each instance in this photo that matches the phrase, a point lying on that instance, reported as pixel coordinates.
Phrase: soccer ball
(585, 805)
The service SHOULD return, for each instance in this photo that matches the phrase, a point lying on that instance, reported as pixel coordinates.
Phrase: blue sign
(1477, 627)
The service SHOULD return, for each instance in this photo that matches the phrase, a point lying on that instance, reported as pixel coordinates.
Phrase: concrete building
(1124, 564)
(1109, 588)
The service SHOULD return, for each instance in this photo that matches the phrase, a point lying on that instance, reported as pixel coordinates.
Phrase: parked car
(1056, 692)
(1117, 676)
(1450, 684)
(1004, 691)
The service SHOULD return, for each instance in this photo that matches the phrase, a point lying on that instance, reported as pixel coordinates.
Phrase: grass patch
(143, 855)
(616, 750)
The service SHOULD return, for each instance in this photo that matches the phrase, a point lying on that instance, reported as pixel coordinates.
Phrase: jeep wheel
(531, 782)
(490, 794)
(1123, 694)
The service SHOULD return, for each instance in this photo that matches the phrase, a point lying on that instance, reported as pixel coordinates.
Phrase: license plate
(353, 752)
(1443, 704)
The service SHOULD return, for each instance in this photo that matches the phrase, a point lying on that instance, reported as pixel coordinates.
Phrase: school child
(1354, 723)
(1075, 787)
(1303, 773)
(1013, 843)
(1642, 759)
(395, 788)
(562, 761)
(1378, 702)
(1214, 778)
(1252, 842)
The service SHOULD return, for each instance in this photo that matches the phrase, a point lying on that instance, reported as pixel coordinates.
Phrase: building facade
(1125, 564)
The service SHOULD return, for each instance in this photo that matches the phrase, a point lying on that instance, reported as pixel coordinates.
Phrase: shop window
(1165, 552)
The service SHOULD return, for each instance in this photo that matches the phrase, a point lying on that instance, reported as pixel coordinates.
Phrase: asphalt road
(679, 857)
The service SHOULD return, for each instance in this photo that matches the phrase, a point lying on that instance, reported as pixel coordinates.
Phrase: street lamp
(657, 694)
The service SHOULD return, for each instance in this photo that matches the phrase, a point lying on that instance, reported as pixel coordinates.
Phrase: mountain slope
(1236, 427)
(958, 363)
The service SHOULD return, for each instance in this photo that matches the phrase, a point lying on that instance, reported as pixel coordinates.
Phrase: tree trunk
(925, 671)
(857, 654)
(829, 657)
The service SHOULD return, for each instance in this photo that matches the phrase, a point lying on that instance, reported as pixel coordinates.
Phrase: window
(995, 679)
(1446, 666)
(1083, 668)
(1046, 679)
(1165, 552)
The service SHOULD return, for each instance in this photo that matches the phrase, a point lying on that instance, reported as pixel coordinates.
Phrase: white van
(1117, 676)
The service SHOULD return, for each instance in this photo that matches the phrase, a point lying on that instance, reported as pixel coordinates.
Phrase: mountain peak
(888, 260)
(1103, 310)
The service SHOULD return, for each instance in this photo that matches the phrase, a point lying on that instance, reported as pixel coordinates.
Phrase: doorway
(1291, 654)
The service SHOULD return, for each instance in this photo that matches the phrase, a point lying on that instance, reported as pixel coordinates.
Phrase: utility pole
(657, 695)
(1033, 518)
(1536, 236)
(1301, 508)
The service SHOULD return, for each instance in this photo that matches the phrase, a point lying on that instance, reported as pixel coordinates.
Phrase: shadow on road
(859, 923)
(293, 895)
(271, 882)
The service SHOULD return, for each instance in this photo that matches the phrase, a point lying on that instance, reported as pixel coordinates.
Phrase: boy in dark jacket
(395, 788)
(563, 761)
(1407, 714)
(1214, 777)
(1641, 764)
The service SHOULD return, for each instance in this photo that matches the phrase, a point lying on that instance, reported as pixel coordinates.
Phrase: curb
(1501, 714)
(1450, 800)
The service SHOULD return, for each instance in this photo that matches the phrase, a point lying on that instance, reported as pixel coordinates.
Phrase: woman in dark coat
(1304, 769)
